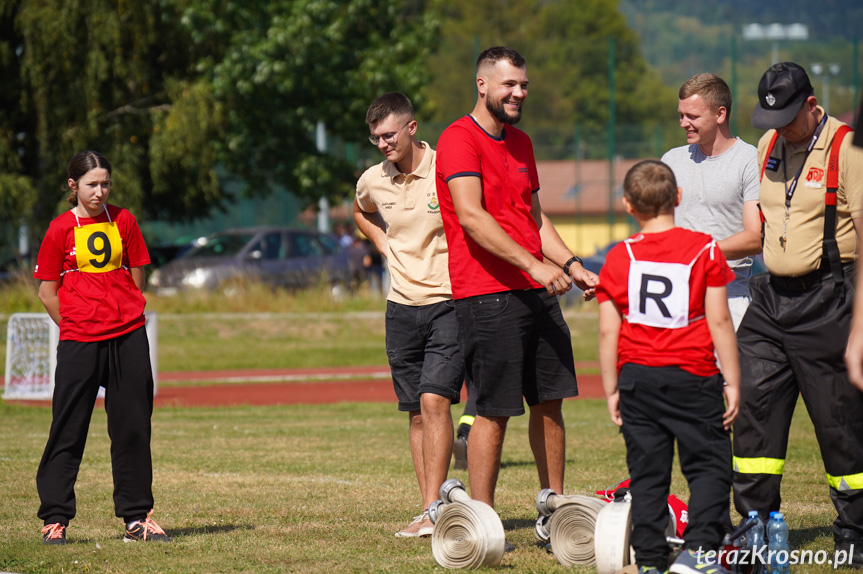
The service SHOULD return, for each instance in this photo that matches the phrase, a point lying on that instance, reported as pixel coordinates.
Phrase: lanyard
(104, 210)
(789, 190)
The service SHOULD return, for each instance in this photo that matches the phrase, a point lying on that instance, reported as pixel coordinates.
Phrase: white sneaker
(419, 527)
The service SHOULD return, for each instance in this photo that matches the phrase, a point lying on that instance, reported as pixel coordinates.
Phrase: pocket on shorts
(489, 307)
(391, 310)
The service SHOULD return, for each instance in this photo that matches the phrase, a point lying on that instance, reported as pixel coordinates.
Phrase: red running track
(295, 386)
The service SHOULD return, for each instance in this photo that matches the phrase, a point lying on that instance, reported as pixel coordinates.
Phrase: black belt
(805, 282)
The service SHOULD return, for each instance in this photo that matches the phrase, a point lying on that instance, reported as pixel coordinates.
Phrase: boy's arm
(725, 341)
(609, 333)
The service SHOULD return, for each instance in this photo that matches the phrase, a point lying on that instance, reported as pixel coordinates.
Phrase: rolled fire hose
(547, 501)
(571, 527)
(467, 533)
(611, 537)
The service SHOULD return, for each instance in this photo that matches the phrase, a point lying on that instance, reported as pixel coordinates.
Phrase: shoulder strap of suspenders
(763, 167)
(769, 151)
(831, 247)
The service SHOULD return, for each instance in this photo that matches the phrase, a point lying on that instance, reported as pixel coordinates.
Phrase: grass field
(314, 489)
(311, 488)
(262, 329)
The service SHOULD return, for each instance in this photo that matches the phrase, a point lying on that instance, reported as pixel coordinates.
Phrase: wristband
(572, 260)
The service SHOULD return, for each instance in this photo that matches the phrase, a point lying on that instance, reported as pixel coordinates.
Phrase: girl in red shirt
(91, 267)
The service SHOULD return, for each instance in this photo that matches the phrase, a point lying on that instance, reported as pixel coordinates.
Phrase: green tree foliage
(681, 38)
(566, 45)
(182, 95)
(279, 67)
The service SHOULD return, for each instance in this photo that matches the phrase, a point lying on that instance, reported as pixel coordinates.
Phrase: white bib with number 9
(98, 247)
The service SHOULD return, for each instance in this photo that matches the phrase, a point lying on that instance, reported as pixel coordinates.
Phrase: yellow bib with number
(98, 247)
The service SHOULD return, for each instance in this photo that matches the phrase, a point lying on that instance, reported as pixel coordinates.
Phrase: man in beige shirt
(396, 207)
(794, 333)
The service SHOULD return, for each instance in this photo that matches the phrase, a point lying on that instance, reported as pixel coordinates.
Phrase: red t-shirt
(689, 347)
(507, 169)
(101, 301)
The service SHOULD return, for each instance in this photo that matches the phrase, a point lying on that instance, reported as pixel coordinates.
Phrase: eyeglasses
(389, 138)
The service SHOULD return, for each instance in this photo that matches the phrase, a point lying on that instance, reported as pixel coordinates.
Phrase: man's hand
(550, 276)
(584, 280)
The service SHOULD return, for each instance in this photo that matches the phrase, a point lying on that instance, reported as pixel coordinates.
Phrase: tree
(279, 67)
(567, 50)
(183, 95)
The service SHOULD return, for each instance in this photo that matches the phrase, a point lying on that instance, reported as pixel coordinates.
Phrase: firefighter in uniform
(793, 336)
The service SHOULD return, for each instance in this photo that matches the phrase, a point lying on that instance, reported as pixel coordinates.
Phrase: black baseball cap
(781, 92)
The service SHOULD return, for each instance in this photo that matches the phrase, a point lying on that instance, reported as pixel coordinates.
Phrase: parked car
(277, 257)
(163, 253)
(595, 262)
(12, 269)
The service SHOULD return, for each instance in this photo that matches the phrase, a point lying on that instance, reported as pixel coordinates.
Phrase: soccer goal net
(31, 355)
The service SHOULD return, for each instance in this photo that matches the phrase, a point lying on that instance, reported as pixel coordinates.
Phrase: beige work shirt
(805, 228)
(417, 253)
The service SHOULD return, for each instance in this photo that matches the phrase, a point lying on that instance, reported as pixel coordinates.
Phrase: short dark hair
(391, 103)
(650, 188)
(711, 88)
(495, 54)
(80, 164)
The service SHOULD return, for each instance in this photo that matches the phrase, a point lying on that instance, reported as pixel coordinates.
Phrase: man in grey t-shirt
(719, 177)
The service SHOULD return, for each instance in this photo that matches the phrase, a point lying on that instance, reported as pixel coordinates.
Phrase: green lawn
(310, 488)
(217, 341)
(314, 489)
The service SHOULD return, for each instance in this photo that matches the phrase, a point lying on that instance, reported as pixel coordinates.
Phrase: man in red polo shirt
(506, 264)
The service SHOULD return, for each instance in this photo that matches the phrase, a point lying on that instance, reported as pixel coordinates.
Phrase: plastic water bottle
(777, 539)
(757, 543)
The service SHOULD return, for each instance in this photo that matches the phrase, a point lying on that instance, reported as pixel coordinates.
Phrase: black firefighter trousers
(794, 342)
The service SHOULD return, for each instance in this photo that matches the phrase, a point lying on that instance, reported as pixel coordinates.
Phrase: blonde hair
(711, 88)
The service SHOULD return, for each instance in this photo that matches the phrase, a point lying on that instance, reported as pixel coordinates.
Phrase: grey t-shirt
(714, 190)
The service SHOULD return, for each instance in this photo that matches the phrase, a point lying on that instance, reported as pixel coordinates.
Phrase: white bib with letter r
(659, 292)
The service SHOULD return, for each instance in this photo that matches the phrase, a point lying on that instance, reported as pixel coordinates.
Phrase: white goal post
(31, 355)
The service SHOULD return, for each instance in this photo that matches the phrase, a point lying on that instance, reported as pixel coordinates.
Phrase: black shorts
(423, 350)
(517, 347)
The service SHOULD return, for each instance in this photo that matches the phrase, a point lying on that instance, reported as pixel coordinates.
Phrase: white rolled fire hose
(570, 524)
(467, 533)
(611, 537)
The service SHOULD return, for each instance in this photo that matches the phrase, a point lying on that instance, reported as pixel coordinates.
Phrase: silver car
(277, 257)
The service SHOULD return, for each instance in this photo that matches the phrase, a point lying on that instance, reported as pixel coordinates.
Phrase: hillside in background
(681, 38)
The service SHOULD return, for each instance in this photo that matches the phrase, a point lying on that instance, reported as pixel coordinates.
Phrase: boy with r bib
(662, 315)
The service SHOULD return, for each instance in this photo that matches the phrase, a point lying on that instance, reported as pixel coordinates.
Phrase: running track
(296, 386)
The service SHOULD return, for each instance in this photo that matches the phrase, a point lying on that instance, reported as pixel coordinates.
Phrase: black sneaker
(145, 530)
(459, 451)
(848, 554)
(54, 534)
(508, 546)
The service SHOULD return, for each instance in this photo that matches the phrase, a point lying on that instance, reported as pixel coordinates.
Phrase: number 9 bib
(98, 248)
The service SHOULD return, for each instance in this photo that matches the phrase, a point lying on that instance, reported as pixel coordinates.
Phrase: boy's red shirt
(690, 347)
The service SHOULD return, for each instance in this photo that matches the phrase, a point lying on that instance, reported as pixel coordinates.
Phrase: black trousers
(792, 343)
(660, 405)
(122, 366)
